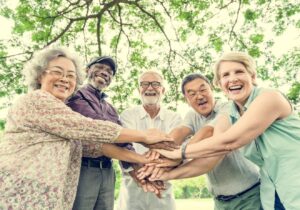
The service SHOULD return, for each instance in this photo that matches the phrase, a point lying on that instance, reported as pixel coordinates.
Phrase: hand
(175, 154)
(154, 135)
(162, 176)
(152, 155)
(133, 174)
(165, 162)
(166, 145)
(155, 187)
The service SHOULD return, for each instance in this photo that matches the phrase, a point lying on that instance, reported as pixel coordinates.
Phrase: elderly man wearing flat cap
(97, 178)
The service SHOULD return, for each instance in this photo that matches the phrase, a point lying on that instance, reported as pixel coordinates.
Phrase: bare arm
(180, 133)
(113, 151)
(205, 132)
(269, 106)
(197, 167)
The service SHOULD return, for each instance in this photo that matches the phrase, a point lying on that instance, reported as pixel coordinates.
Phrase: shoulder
(39, 97)
(223, 107)
(132, 111)
(269, 95)
(170, 115)
(76, 96)
(191, 114)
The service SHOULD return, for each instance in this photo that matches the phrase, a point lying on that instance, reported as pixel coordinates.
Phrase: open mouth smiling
(235, 88)
(61, 86)
(200, 103)
(150, 94)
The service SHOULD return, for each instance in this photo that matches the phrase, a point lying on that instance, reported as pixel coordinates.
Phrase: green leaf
(257, 38)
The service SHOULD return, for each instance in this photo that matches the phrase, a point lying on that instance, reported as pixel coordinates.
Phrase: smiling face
(199, 96)
(100, 75)
(59, 78)
(151, 94)
(235, 81)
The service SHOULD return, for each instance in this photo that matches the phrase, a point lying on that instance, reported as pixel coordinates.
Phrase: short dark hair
(192, 77)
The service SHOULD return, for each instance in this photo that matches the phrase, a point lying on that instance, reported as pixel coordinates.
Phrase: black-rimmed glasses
(154, 84)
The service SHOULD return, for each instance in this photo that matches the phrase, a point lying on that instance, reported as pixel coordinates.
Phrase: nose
(105, 74)
(64, 79)
(233, 78)
(199, 96)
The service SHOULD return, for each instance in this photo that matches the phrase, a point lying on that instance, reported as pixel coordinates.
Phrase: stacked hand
(154, 136)
(151, 175)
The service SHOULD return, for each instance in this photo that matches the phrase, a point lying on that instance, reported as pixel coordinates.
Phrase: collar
(218, 105)
(94, 91)
(143, 114)
(234, 109)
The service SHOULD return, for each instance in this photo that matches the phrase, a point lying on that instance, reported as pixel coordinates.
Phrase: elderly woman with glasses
(41, 149)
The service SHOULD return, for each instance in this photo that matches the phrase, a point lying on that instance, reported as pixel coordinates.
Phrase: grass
(194, 204)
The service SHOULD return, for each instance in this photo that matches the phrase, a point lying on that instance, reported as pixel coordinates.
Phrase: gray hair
(34, 68)
(153, 73)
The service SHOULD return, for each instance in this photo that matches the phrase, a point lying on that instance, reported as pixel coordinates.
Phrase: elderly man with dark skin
(43, 138)
(97, 177)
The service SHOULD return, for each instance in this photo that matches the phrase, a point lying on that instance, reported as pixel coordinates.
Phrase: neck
(240, 108)
(152, 109)
(95, 86)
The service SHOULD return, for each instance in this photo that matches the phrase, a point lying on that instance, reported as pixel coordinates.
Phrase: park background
(175, 37)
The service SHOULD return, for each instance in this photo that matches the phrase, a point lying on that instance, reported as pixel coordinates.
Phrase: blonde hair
(239, 57)
(34, 68)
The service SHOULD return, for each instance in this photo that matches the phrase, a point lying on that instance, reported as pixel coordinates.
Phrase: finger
(144, 187)
(153, 155)
(144, 168)
(150, 187)
(147, 154)
(155, 171)
(158, 174)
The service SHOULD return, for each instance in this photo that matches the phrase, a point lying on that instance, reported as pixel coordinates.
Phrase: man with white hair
(142, 117)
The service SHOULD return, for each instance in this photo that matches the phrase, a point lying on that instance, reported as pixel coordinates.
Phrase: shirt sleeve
(48, 114)
(189, 120)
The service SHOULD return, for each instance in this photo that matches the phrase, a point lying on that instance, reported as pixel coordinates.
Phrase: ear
(39, 79)
(187, 100)
(253, 77)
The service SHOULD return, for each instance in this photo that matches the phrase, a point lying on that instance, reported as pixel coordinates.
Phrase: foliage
(191, 188)
(2, 124)
(185, 188)
(176, 37)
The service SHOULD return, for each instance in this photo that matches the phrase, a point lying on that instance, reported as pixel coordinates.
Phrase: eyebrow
(191, 90)
(61, 68)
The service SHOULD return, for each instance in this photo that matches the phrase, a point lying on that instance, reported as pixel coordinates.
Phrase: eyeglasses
(194, 93)
(147, 84)
(59, 73)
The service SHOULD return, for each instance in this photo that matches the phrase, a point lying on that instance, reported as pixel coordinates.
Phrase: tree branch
(236, 19)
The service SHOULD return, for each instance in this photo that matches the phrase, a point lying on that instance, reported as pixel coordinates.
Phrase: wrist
(183, 150)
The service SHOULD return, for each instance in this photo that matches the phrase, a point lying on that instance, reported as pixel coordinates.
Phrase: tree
(174, 36)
